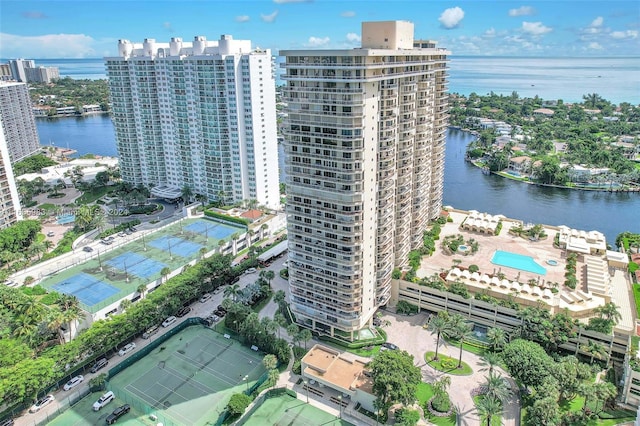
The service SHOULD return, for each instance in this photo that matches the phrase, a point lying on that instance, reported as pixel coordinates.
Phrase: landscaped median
(447, 364)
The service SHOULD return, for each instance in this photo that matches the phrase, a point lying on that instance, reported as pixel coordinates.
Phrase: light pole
(340, 402)
(246, 379)
(306, 386)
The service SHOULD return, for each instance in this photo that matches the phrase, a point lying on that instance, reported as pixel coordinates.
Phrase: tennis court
(175, 245)
(88, 289)
(211, 229)
(136, 264)
(110, 273)
(290, 411)
(190, 377)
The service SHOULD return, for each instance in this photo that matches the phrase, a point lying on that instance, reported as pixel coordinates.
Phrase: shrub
(238, 403)
(396, 274)
(406, 308)
(216, 215)
(441, 401)
(473, 268)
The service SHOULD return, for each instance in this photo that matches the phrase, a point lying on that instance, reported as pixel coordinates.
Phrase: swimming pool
(517, 261)
(66, 218)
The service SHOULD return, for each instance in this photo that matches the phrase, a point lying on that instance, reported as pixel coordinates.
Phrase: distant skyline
(91, 29)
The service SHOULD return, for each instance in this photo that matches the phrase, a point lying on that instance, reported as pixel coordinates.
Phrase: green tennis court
(288, 410)
(189, 379)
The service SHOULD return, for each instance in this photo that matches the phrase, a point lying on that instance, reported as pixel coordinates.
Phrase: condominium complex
(18, 67)
(9, 200)
(42, 74)
(364, 143)
(198, 115)
(25, 70)
(18, 121)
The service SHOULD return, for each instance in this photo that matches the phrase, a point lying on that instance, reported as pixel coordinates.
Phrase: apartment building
(18, 67)
(9, 199)
(18, 121)
(199, 114)
(364, 143)
(42, 74)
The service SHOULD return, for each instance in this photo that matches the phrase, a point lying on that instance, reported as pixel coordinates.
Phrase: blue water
(65, 218)
(93, 134)
(616, 79)
(517, 261)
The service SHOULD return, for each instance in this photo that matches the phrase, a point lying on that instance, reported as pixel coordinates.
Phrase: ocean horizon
(615, 78)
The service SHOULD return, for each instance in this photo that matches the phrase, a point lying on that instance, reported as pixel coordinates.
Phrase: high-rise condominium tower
(18, 121)
(9, 200)
(364, 141)
(198, 114)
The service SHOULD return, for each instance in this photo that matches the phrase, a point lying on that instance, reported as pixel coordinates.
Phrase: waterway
(465, 186)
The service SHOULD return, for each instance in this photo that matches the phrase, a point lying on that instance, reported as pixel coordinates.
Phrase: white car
(75, 381)
(250, 271)
(205, 297)
(166, 323)
(41, 403)
(104, 400)
(126, 349)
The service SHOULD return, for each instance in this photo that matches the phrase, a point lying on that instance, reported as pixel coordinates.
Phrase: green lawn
(447, 364)
(424, 393)
(92, 195)
(636, 296)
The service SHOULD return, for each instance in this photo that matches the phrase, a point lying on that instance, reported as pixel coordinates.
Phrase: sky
(91, 29)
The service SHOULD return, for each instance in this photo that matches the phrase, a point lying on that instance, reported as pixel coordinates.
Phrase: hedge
(215, 215)
(122, 227)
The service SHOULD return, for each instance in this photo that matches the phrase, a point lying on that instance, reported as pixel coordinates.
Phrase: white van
(103, 400)
(169, 321)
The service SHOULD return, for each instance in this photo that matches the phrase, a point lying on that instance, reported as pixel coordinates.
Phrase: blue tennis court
(137, 265)
(86, 288)
(177, 246)
(211, 229)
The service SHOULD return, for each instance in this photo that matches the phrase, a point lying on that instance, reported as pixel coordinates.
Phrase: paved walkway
(408, 334)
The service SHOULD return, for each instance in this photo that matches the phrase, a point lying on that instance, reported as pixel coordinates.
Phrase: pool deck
(541, 251)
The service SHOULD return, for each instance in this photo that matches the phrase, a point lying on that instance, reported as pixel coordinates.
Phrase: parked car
(42, 402)
(183, 311)
(377, 322)
(50, 234)
(221, 308)
(205, 297)
(220, 314)
(75, 381)
(87, 249)
(250, 271)
(103, 400)
(169, 321)
(388, 346)
(117, 413)
(150, 332)
(6, 422)
(126, 349)
(101, 363)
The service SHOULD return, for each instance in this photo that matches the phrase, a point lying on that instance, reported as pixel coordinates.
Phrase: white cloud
(596, 23)
(318, 41)
(491, 32)
(269, 18)
(242, 18)
(522, 11)
(451, 17)
(594, 45)
(535, 28)
(353, 38)
(348, 14)
(629, 34)
(167, 26)
(54, 46)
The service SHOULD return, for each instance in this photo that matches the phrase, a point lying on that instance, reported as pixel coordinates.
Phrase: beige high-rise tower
(364, 143)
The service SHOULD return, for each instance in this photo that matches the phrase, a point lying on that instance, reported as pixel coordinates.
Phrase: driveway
(408, 334)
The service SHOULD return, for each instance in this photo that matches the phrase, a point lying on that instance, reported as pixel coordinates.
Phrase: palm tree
(55, 321)
(595, 349)
(233, 291)
(488, 408)
(496, 337)
(496, 387)
(592, 99)
(164, 272)
(142, 289)
(281, 321)
(187, 193)
(125, 304)
(438, 325)
(489, 361)
(270, 361)
(460, 331)
(71, 315)
(609, 312)
(268, 276)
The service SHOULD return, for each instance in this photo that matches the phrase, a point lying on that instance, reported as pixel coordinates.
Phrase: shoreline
(548, 185)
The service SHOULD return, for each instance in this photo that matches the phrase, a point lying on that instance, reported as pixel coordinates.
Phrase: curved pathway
(408, 334)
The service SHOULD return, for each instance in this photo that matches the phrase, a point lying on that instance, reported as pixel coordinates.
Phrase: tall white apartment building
(18, 67)
(9, 199)
(42, 74)
(198, 114)
(364, 144)
(18, 121)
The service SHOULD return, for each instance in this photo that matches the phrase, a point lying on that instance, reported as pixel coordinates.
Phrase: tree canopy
(395, 378)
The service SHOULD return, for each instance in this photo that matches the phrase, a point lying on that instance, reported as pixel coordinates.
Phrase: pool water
(517, 261)
(66, 218)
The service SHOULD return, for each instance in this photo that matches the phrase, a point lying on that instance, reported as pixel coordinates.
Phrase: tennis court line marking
(191, 379)
(217, 375)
